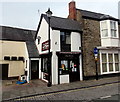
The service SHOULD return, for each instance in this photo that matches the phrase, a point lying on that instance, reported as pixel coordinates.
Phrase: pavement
(39, 87)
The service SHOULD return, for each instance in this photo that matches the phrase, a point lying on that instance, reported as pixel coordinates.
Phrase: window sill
(109, 38)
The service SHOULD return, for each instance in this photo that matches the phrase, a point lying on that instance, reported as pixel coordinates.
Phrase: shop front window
(45, 68)
(110, 58)
(104, 62)
(116, 62)
(110, 62)
(64, 67)
(45, 62)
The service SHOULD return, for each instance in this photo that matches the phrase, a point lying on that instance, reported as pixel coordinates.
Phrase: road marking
(92, 87)
(105, 97)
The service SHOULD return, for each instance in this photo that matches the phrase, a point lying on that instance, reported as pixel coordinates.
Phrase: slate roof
(17, 34)
(96, 16)
(61, 23)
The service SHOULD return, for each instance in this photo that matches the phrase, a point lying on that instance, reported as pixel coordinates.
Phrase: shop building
(65, 49)
(101, 31)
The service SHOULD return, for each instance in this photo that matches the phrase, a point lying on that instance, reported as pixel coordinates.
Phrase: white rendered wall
(75, 41)
(43, 33)
(55, 40)
(110, 42)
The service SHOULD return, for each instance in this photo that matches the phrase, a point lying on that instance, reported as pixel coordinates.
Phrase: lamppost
(49, 13)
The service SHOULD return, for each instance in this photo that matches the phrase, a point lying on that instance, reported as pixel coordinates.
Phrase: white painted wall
(64, 79)
(80, 67)
(40, 75)
(54, 68)
(75, 41)
(109, 42)
(43, 33)
(55, 40)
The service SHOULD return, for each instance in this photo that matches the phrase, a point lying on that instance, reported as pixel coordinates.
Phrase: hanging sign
(45, 46)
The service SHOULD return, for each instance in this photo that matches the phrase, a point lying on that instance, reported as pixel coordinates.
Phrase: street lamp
(49, 13)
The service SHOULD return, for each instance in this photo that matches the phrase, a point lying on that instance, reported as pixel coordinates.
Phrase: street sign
(96, 53)
(95, 50)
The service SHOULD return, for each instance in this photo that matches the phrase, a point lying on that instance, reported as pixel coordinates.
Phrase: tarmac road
(93, 94)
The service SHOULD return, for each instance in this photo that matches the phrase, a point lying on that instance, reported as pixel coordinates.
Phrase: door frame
(61, 56)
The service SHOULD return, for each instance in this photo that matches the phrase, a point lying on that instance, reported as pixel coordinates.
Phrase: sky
(26, 13)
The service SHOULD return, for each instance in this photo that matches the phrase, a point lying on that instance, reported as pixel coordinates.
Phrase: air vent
(14, 58)
(21, 58)
(6, 57)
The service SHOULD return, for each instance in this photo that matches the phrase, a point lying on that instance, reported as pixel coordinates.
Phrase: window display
(64, 67)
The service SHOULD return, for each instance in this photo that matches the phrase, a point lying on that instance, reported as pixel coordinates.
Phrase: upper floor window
(104, 29)
(65, 37)
(113, 29)
(109, 28)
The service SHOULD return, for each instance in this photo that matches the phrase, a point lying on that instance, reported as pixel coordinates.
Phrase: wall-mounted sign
(45, 46)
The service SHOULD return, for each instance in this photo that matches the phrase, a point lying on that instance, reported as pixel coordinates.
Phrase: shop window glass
(112, 63)
(104, 67)
(116, 67)
(110, 59)
(110, 67)
(116, 62)
(64, 67)
(45, 63)
(104, 62)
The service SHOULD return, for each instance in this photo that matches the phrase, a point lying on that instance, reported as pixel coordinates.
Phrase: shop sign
(45, 46)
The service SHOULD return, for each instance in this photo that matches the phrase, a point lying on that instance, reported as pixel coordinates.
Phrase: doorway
(69, 64)
(4, 70)
(74, 74)
(34, 69)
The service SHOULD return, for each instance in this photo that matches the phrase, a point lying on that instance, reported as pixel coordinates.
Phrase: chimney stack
(72, 10)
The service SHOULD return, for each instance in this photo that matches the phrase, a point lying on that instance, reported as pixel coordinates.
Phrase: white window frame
(109, 72)
(116, 24)
(103, 29)
(109, 29)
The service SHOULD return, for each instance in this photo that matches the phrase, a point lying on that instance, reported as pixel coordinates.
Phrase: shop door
(74, 74)
(34, 69)
(4, 70)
